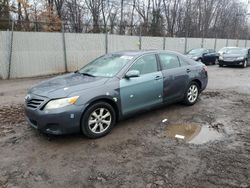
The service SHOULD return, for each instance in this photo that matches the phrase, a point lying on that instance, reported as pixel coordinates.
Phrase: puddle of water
(194, 134)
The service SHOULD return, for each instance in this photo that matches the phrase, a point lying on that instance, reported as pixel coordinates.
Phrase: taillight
(205, 68)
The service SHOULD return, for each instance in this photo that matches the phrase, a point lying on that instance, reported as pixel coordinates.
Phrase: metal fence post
(237, 42)
(245, 43)
(227, 42)
(185, 45)
(106, 42)
(164, 42)
(11, 47)
(140, 40)
(215, 43)
(202, 42)
(64, 49)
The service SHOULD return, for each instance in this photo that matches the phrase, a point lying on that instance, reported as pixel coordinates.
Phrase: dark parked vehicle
(224, 50)
(112, 87)
(206, 56)
(235, 56)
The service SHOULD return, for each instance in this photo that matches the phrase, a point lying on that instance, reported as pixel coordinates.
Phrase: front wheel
(191, 94)
(216, 61)
(244, 64)
(98, 120)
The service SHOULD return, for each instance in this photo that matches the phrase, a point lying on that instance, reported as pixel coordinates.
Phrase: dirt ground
(138, 152)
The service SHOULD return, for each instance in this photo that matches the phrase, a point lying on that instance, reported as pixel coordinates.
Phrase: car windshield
(106, 66)
(195, 51)
(239, 51)
(224, 50)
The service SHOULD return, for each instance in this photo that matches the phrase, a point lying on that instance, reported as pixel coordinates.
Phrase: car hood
(62, 86)
(233, 55)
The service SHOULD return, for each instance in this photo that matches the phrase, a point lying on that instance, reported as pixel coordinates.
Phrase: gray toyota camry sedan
(113, 86)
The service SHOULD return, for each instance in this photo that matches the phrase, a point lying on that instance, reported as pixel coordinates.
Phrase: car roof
(199, 49)
(141, 52)
(229, 47)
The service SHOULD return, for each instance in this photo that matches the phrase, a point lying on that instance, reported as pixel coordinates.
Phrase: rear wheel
(220, 65)
(192, 94)
(98, 120)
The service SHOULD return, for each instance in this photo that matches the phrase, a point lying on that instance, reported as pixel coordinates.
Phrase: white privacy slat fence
(40, 53)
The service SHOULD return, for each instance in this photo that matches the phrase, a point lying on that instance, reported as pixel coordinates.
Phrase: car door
(248, 56)
(175, 77)
(209, 56)
(144, 91)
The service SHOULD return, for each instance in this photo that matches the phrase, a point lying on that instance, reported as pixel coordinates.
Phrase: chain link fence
(34, 53)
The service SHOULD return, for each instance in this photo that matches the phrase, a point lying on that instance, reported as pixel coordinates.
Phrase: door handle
(158, 77)
(188, 70)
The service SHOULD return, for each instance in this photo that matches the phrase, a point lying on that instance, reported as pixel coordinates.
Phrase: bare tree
(94, 7)
(191, 18)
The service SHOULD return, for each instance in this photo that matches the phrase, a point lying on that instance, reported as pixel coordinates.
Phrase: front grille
(34, 103)
(229, 59)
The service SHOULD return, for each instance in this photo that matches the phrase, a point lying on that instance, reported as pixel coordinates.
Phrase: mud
(138, 152)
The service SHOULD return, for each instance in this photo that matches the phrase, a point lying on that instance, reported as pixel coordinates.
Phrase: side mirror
(132, 74)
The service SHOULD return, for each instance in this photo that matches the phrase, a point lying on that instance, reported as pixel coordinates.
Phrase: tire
(244, 64)
(215, 61)
(220, 65)
(192, 94)
(98, 120)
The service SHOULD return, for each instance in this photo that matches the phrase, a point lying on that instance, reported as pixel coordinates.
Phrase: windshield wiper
(87, 74)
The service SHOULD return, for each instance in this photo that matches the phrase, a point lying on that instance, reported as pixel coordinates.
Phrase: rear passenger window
(169, 61)
(183, 62)
(146, 64)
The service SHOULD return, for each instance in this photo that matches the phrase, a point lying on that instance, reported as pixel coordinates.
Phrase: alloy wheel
(99, 120)
(192, 94)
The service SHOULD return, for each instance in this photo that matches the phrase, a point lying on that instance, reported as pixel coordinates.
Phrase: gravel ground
(139, 152)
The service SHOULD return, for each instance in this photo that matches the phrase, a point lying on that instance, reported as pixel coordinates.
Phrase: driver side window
(146, 64)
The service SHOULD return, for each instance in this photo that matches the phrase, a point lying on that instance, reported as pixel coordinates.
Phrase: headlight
(59, 103)
(220, 57)
(240, 58)
(195, 57)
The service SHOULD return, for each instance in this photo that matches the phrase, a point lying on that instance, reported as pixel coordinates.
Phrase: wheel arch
(198, 82)
(110, 101)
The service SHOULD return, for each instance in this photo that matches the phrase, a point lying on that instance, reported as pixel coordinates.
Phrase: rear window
(184, 62)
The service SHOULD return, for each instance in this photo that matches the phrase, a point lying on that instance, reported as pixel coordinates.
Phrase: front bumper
(231, 63)
(59, 121)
